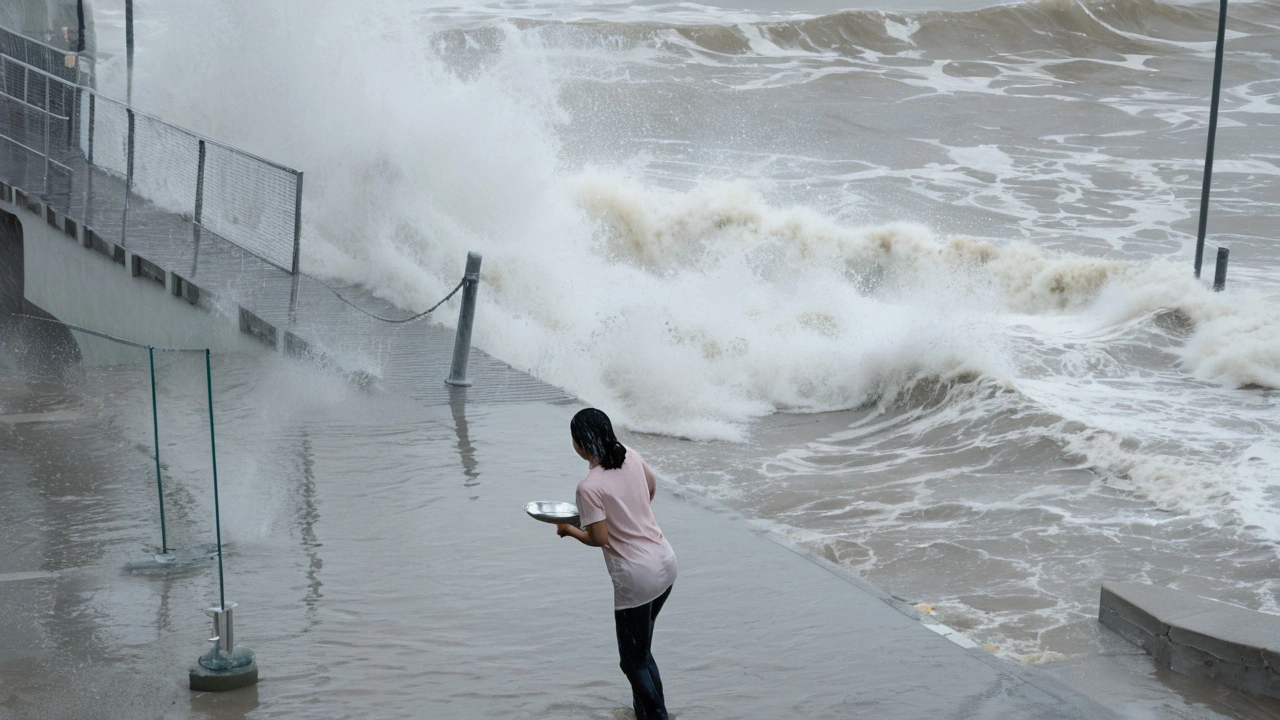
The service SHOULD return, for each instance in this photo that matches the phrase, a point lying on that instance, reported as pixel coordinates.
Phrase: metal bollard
(1220, 271)
(466, 314)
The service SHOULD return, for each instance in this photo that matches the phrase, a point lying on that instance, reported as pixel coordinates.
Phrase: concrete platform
(1197, 636)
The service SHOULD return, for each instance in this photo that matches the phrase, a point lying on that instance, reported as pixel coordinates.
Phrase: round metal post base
(205, 680)
(218, 671)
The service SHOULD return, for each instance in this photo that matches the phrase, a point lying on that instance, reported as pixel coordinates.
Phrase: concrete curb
(1197, 636)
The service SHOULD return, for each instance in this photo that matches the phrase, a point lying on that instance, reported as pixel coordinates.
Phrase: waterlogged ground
(381, 559)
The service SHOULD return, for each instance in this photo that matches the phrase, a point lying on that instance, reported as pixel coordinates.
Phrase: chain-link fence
(69, 134)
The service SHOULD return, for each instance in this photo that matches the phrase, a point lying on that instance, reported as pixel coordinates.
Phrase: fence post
(297, 250)
(88, 170)
(199, 209)
(48, 129)
(128, 183)
(466, 314)
(199, 212)
(93, 103)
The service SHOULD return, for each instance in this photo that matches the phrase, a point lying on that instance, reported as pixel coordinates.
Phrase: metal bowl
(553, 511)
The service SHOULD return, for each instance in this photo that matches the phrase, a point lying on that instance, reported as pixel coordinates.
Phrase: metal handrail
(34, 151)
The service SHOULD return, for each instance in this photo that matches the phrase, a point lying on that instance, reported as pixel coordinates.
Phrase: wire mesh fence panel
(62, 106)
(11, 77)
(111, 136)
(18, 123)
(251, 203)
(165, 164)
(22, 122)
(28, 97)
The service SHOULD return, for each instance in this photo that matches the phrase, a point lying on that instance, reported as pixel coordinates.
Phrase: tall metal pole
(213, 452)
(128, 47)
(1213, 132)
(155, 425)
(199, 212)
(93, 103)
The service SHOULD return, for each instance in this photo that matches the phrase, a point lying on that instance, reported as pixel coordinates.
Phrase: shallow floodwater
(382, 563)
(911, 286)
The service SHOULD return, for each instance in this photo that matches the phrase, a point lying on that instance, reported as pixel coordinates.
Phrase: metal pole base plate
(205, 680)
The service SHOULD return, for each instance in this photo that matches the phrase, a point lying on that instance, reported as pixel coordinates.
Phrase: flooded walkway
(384, 567)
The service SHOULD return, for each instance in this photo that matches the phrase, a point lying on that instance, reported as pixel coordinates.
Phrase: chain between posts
(409, 319)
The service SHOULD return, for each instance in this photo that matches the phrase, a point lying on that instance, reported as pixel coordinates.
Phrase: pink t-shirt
(640, 560)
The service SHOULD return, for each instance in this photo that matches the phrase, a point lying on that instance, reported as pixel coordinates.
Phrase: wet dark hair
(593, 432)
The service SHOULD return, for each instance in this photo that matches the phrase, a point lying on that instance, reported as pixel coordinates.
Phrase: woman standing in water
(614, 511)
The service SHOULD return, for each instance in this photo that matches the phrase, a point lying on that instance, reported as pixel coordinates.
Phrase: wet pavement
(384, 567)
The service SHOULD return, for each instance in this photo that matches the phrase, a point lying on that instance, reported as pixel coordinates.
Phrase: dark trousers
(635, 637)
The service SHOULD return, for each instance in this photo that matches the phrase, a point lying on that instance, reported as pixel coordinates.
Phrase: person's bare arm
(595, 535)
(651, 479)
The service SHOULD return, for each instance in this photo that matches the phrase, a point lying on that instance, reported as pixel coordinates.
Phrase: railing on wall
(76, 132)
